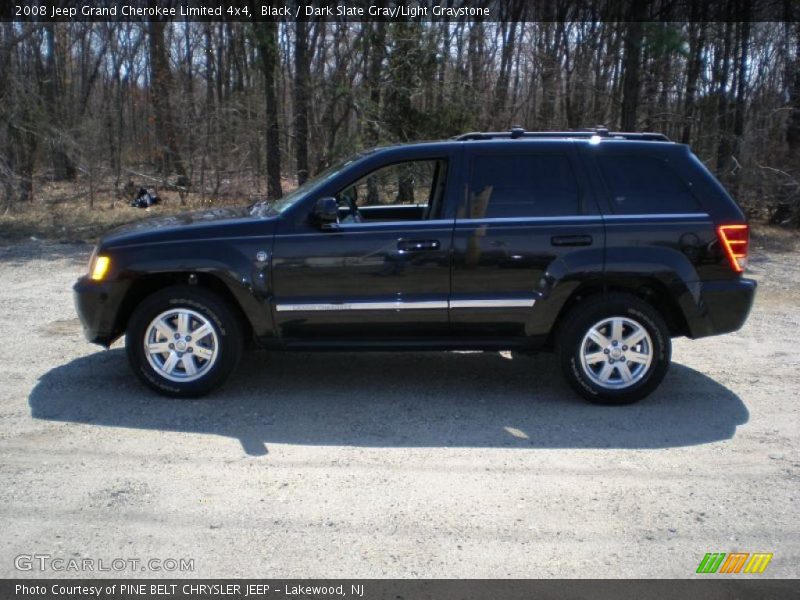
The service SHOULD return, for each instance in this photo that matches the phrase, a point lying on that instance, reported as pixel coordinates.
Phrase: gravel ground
(394, 465)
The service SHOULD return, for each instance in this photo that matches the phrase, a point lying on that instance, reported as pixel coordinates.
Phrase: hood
(217, 222)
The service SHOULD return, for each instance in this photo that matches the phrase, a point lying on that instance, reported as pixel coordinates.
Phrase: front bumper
(721, 307)
(97, 304)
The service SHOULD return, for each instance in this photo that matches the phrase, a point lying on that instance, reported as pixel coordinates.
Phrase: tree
(633, 59)
(63, 166)
(508, 38)
(19, 110)
(168, 156)
(741, 91)
(793, 125)
(722, 70)
(697, 32)
(267, 42)
(375, 43)
(302, 75)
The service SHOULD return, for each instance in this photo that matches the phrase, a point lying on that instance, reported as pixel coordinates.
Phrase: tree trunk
(267, 41)
(696, 43)
(793, 126)
(302, 68)
(18, 116)
(633, 57)
(547, 50)
(723, 106)
(377, 43)
(741, 90)
(63, 166)
(169, 160)
(508, 38)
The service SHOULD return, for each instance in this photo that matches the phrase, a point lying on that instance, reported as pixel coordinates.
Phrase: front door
(382, 272)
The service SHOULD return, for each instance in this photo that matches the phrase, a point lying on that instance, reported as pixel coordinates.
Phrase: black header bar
(399, 10)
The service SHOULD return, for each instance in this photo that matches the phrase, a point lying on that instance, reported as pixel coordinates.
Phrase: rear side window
(533, 185)
(645, 185)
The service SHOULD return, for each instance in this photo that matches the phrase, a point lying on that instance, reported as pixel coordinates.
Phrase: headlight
(98, 266)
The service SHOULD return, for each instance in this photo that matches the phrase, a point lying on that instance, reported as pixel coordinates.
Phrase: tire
(604, 370)
(184, 367)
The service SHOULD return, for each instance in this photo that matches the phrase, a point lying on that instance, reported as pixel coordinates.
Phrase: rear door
(528, 228)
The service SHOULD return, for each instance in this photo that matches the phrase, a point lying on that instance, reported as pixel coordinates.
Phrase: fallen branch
(163, 182)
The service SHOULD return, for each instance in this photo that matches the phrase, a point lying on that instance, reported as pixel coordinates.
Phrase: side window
(533, 185)
(405, 191)
(645, 185)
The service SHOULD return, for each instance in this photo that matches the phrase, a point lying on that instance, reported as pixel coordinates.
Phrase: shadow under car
(394, 399)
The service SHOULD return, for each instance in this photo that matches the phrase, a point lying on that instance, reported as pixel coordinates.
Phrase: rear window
(645, 185)
(532, 185)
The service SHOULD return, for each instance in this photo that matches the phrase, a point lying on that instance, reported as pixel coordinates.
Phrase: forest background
(217, 113)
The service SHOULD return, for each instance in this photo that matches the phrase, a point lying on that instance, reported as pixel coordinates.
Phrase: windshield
(289, 200)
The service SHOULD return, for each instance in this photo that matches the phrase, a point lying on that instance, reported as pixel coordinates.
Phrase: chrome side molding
(408, 305)
(493, 303)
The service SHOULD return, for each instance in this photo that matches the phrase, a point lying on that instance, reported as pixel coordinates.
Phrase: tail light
(735, 239)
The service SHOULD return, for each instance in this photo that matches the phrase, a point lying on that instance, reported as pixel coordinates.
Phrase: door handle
(571, 240)
(417, 245)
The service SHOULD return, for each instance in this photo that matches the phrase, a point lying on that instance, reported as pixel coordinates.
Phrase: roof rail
(602, 132)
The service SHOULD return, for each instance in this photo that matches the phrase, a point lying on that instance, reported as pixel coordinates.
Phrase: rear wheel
(183, 341)
(614, 349)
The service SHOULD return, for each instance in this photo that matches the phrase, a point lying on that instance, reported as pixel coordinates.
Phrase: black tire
(217, 313)
(570, 346)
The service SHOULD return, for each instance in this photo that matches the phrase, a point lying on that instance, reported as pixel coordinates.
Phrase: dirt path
(397, 465)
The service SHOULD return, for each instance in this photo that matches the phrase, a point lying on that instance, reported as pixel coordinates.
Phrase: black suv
(599, 245)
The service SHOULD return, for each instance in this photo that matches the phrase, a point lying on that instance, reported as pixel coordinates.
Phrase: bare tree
(302, 75)
(633, 60)
(169, 158)
(266, 39)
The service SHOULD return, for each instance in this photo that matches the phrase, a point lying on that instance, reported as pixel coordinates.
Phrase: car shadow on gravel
(434, 399)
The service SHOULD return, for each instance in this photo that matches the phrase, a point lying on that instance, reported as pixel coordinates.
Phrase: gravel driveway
(394, 465)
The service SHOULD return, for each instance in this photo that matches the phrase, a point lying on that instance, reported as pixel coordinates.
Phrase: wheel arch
(649, 289)
(146, 285)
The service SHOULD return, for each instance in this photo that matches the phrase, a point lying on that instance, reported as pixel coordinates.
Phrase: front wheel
(183, 341)
(614, 349)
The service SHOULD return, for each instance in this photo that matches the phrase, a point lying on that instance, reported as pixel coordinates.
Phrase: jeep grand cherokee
(601, 246)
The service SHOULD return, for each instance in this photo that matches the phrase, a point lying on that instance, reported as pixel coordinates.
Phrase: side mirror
(326, 213)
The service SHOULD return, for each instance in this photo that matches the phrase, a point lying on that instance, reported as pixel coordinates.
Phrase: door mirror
(326, 213)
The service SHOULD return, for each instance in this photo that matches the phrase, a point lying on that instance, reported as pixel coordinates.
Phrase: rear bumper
(721, 307)
(97, 304)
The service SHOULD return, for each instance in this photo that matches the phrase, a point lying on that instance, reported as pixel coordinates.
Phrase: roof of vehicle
(591, 134)
(518, 134)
